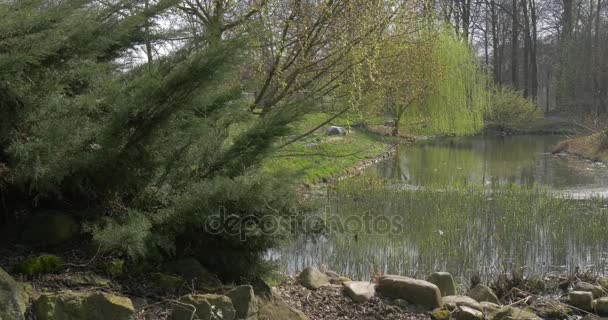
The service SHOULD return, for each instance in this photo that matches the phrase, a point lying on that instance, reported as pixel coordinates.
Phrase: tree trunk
(526, 63)
(533, 46)
(514, 47)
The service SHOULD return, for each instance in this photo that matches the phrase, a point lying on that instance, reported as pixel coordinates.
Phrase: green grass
(461, 229)
(320, 156)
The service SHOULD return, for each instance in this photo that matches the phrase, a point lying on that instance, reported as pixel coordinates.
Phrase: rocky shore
(47, 288)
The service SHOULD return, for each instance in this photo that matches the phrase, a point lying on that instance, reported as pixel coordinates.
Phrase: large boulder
(244, 302)
(444, 281)
(204, 307)
(336, 131)
(360, 291)
(596, 290)
(453, 302)
(483, 293)
(49, 229)
(313, 279)
(192, 270)
(275, 308)
(582, 300)
(75, 305)
(601, 307)
(13, 298)
(418, 292)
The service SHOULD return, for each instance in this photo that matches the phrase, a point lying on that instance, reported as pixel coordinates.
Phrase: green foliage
(459, 101)
(40, 265)
(154, 150)
(114, 268)
(509, 109)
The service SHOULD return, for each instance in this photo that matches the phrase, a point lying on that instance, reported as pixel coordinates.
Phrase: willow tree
(407, 70)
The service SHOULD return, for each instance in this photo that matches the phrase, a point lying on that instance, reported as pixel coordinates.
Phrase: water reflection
(492, 160)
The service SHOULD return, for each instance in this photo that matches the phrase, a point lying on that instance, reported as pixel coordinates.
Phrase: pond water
(464, 205)
(494, 160)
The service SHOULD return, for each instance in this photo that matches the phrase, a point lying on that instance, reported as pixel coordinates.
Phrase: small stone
(483, 293)
(360, 291)
(440, 314)
(466, 313)
(444, 281)
(336, 131)
(244, 302)
(489, 307)
(601, 307)
(418, 292)
(512, 313)
(167, 283)
(596, 290)
(453, 302)
(207, 306)
(333, 277)
(582, 300)
(313, 279)
(400, 303)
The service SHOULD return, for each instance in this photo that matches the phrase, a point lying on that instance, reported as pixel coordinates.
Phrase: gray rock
(581, 299)
(389, 123)
(601, 307)
(204, 307)
(275, 308)
(466, 313)
(333, 277)
(360, 291)
(336, 131)
(244, 302)
(76, 305)
(483, 293)
(313, 279)
(453, 302)
(418, 292)
(13, 298)
(444, 281)
(596, 290)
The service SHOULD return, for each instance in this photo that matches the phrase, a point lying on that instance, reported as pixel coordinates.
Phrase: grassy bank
(593, 147)
(319, 156)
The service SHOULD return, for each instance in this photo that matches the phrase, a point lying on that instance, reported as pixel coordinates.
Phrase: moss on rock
(40, 265)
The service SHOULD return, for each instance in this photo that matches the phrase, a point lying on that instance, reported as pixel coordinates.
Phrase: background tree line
(554, 51)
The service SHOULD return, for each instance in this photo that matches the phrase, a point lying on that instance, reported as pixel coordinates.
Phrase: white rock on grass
(418, 292)
(360, 291)
(313, 279)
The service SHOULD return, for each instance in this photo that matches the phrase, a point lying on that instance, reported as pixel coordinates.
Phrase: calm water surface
(466, 232)
(493, 160)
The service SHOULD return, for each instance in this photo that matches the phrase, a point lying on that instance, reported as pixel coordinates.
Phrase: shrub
(509, 109)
